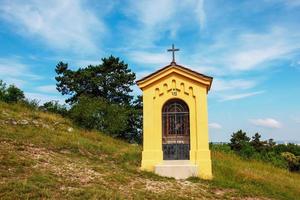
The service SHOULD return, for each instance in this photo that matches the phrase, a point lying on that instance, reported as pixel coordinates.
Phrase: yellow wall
(154, 97)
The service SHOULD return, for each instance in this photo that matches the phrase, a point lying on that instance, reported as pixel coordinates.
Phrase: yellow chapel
(175, 122)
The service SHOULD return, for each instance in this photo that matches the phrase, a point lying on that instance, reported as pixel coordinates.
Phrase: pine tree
(111, 80)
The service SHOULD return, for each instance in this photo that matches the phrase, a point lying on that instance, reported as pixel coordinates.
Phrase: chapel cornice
(177, 69)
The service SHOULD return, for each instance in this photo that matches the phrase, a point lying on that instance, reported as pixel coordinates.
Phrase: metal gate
(176, 130)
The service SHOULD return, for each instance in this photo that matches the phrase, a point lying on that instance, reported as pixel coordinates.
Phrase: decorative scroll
(174, 89)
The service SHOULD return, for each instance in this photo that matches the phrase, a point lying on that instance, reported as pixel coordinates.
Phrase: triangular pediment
(173, 68)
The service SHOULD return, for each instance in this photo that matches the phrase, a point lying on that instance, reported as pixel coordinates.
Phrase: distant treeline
(281, 155)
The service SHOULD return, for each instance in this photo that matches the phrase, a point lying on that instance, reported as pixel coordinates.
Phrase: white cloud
(247, 51)
(42, 98)
(15, 68)
(47, 89)
(151, 18)
(250, 58)
(240, 96)
(154, 12)
(222, 85)
(12, 71)
(205, 69)
(257, 48)
(85, 63)
(157, 18)
(200, 12)
(295, 65)
(231, 60)
(13, 81)
(142, 74)
(214, 125)
(287, 3)
(149, 58)
(291, 3)
(60, 24)
(296, 119)
(267, 122)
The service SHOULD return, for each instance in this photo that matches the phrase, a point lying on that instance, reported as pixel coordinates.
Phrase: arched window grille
(175, 118)
(176, 130)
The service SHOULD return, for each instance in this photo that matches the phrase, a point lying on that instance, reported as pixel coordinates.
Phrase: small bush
(2, 90)
(275, 159)
(12, 94)
(96, 113)
(247, 151)
(284, 156)
(55, 107)
(32, 104)
(238, 140)
(293, 148)
(220, 147)
(292, 160)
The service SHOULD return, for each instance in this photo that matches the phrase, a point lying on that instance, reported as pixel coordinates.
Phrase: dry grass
(257, 176)
(43, 160)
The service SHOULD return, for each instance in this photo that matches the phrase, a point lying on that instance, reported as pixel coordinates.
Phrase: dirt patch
(254, 198)
(62, 166)
(73, 170)
(158, 186)
(222, 192)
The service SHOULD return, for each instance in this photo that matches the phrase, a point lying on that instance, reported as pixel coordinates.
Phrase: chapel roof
(173, 65)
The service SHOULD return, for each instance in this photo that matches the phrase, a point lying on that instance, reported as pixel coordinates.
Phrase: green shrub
(293, 148)
(134, 133)
(238, 140)
(259, 145)
(292, 160)
(31, 103)
(2, 90)
(14, 94)
(274, 158)
(55, 107)
(96, 113)
(220, 147)
(284, 156)
(247, 151)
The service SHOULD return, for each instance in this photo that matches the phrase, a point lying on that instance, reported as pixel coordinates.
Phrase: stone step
(178, 169)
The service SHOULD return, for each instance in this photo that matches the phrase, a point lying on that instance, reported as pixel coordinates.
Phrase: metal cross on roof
(173, 53)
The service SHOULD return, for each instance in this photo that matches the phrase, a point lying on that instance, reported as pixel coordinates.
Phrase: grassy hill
(44, 156)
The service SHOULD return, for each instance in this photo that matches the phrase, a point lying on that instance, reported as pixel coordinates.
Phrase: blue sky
(251, 48)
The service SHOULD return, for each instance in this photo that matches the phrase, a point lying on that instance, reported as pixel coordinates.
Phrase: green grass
(259, 177)
(43, 160)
